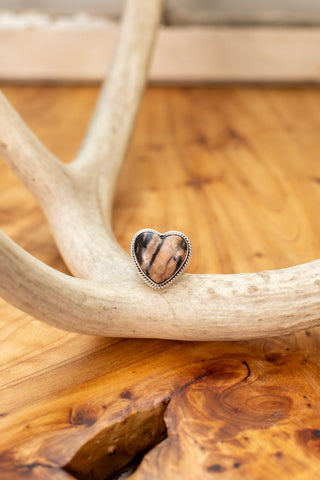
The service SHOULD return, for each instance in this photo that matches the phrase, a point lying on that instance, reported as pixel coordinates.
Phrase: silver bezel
(145, 277)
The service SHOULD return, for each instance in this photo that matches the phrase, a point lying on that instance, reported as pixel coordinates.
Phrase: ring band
(160, 257)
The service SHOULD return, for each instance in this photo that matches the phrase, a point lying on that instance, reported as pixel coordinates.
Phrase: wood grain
(237, 170)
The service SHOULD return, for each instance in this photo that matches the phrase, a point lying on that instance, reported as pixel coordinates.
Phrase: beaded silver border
(145, 277)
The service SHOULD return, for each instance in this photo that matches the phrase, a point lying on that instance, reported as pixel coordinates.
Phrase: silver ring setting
(160, 257)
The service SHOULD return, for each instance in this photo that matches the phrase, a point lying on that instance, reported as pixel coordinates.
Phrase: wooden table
(237, 169)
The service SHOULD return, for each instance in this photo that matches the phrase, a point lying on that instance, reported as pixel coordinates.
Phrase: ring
(160, 257)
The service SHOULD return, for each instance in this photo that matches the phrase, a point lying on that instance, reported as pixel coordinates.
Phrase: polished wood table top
(237, 169)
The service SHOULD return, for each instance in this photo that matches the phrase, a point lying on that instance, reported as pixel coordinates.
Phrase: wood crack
(120, 447)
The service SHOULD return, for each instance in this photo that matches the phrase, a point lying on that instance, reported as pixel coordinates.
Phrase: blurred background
(192, 11)
(199, 42)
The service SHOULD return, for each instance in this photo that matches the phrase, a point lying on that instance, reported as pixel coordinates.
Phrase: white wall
(193, 11)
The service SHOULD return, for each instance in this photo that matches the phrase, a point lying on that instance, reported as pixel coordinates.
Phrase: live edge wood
(238, 171)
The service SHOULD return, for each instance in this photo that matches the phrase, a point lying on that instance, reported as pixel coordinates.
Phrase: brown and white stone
(160, 257)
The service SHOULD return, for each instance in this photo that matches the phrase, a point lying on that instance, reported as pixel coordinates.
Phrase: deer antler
(109, 299)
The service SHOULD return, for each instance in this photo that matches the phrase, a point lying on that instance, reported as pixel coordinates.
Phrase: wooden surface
(238, 171)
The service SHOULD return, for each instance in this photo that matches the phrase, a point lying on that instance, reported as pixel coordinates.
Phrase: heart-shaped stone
(160, 257)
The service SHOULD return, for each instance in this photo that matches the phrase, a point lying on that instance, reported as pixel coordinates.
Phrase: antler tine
(77, 197)
(104, 147)
(94, 251)
(29, 159)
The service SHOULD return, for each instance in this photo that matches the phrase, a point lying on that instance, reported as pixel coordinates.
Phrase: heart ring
(160, 257)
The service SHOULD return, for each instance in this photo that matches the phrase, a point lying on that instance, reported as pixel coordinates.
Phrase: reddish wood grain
(237, 170)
